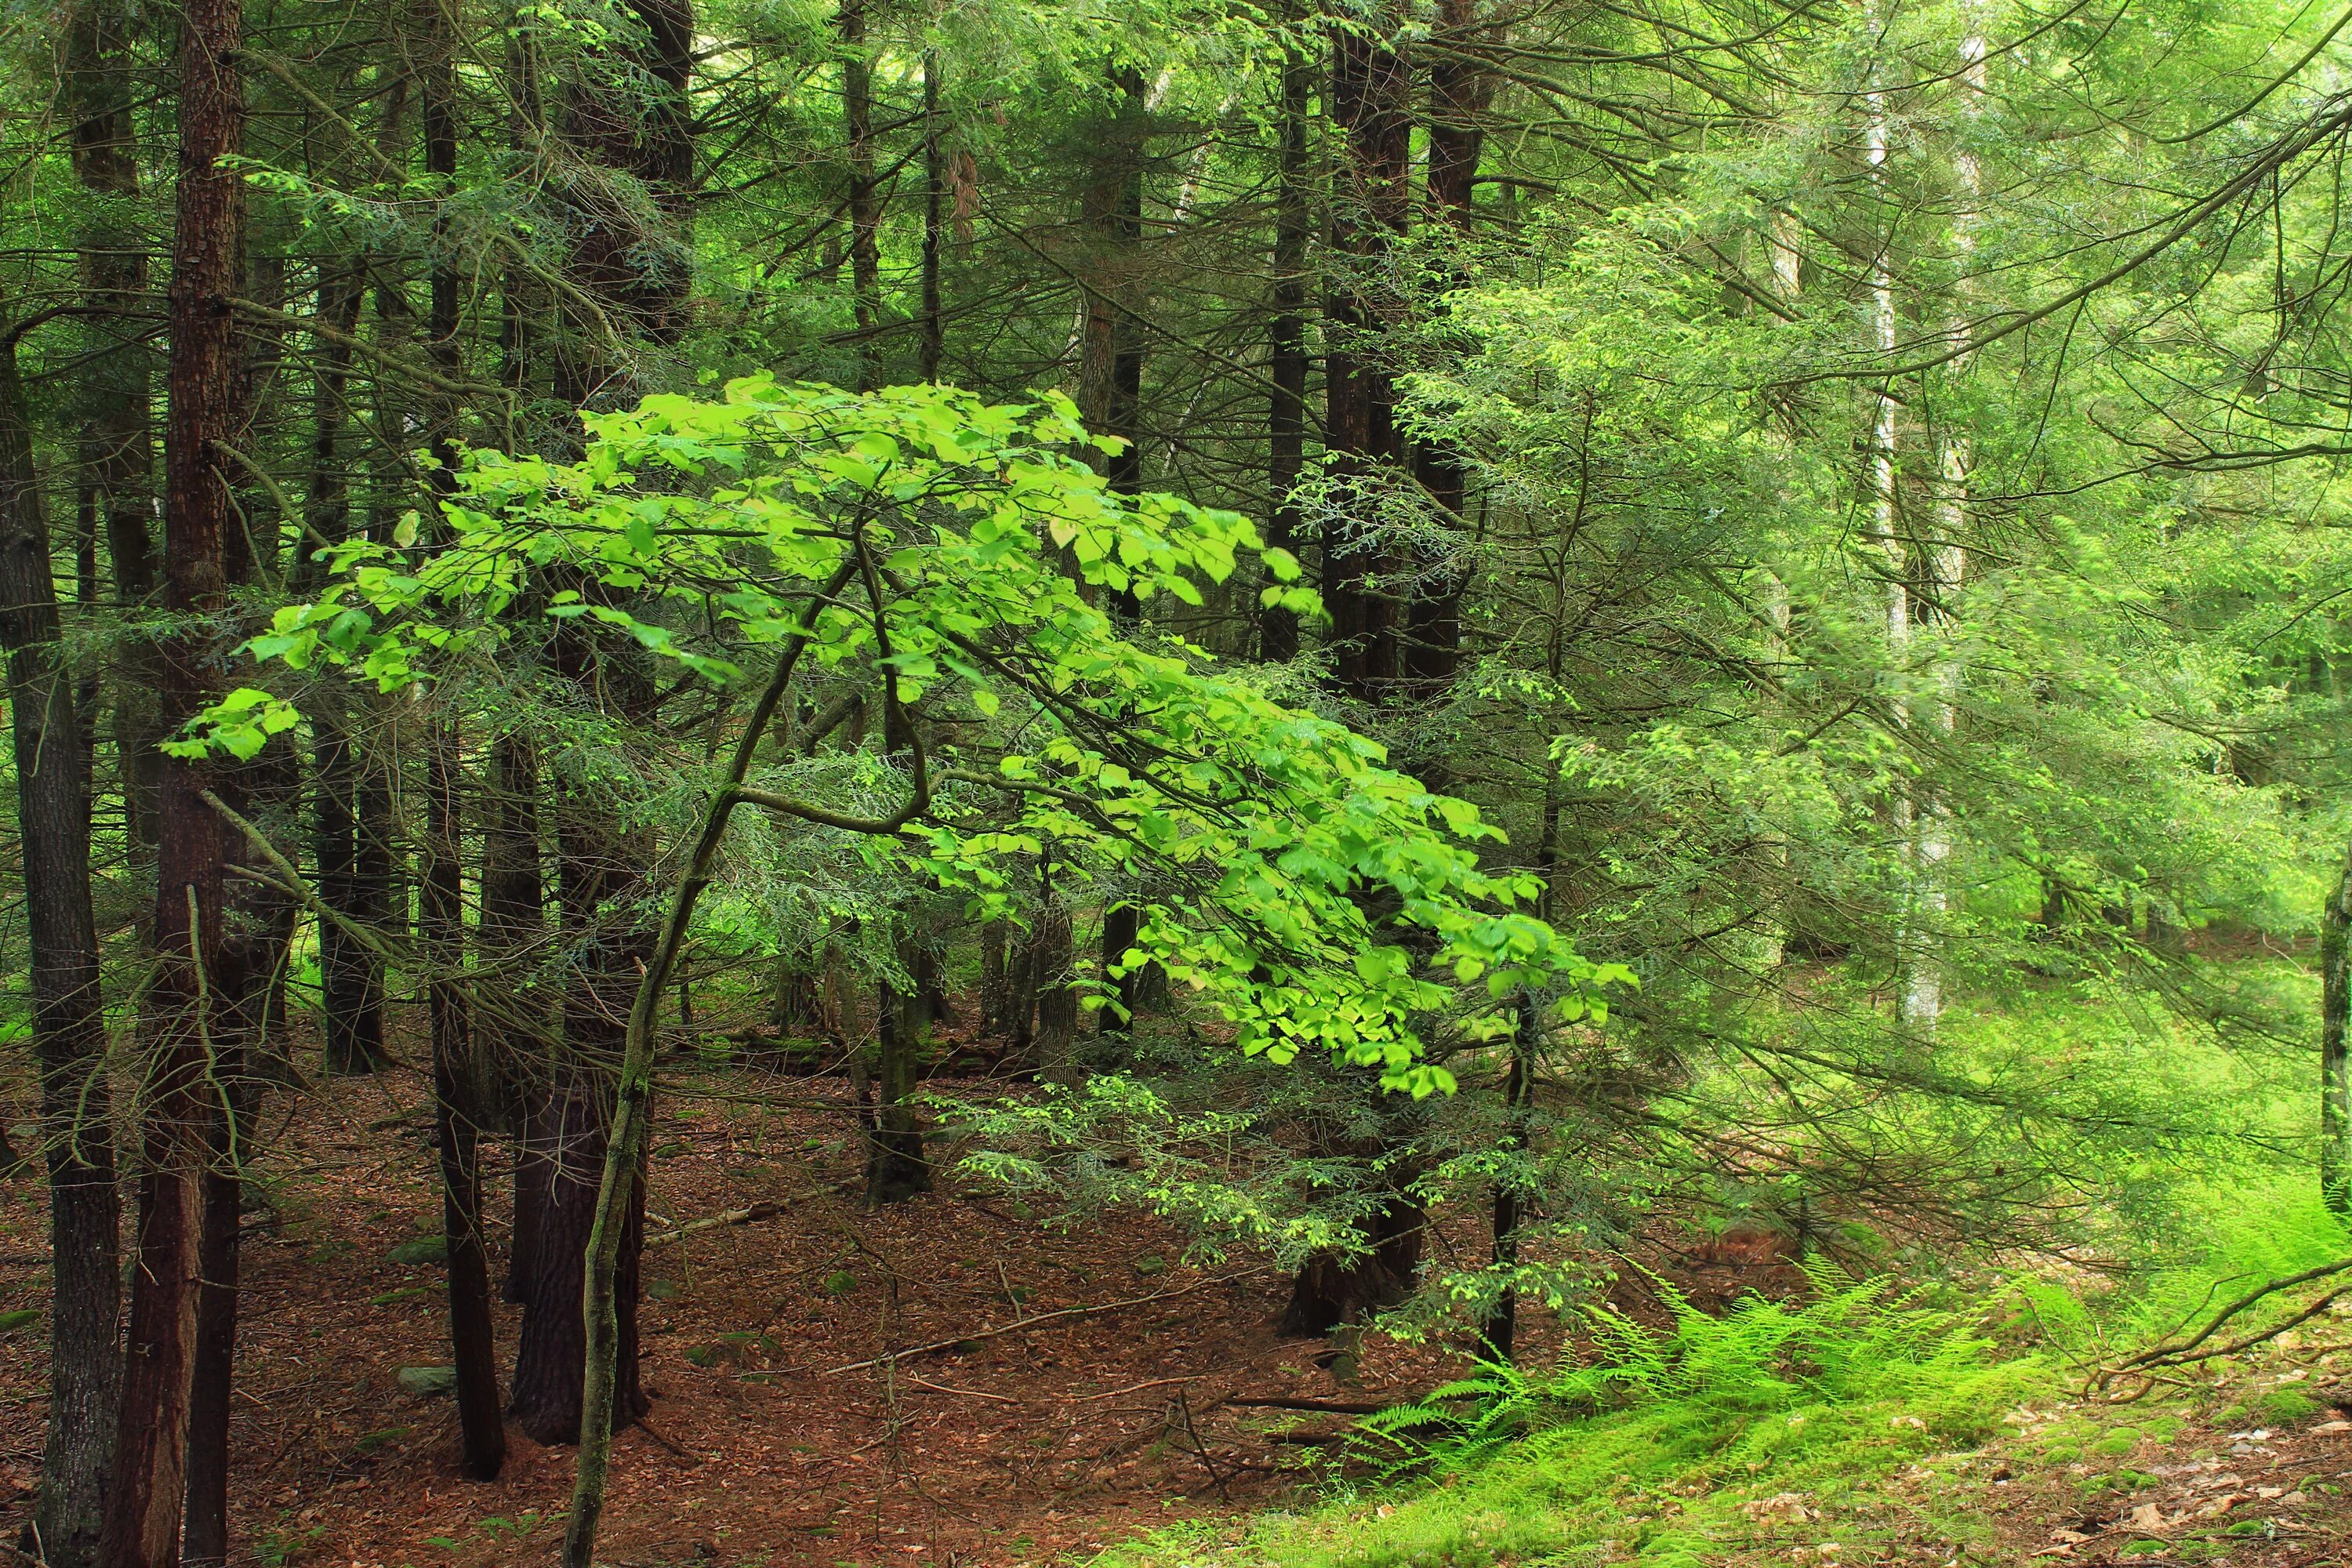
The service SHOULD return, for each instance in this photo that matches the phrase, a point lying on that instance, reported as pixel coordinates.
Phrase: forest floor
(767, 1443)
(1085, 1393)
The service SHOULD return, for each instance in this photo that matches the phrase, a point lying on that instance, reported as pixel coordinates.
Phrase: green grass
(1777, 1426)
(1702, 1440)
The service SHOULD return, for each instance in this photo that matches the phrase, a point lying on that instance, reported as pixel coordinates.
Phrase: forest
(1175, 781)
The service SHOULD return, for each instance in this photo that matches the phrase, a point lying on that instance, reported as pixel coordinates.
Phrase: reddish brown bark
(200, 976)
(1461, 88)
(1287, 361)
(1371, 102)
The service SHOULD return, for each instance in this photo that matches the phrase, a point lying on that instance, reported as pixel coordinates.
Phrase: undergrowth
(1672, 1449)
(1716, 1440)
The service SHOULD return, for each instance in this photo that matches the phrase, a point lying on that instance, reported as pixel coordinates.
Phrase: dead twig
(966, 1393)
(1020, 1324)
(741, 1216)
(2185, 1352)
(1335, 1406)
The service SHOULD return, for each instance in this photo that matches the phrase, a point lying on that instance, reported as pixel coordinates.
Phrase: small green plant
(285, 1542)
(1850, 1342)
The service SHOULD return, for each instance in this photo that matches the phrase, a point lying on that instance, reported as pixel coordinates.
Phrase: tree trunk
(601, 873)
(1371, 102)
(896, 1166)
(601, 869)
(1500, 1326)
(458, 1093)
(1460, 90)
(864, 206)
(203, 1541)
(1277, 632)
(995, 980)
(554, 1347)
(1111, 399)
(68, 1020)
(513, 1034)
(351, 971)
(640, 274)
(935, 192)
(896, 1169)
(117, 459)
(259, 931)
(198, 980)
(2334, 1050)
(1331, 1292)
(1051, 961)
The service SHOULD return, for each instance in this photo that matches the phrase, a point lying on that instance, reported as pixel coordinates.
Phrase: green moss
(2286, 1404)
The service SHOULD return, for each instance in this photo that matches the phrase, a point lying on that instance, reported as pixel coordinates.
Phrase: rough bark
(204, 1541)
(1287, 363)
(935, 192)
(1370, 103)
(1460, 88)
(68, 1025)
(896, 1169)
(995, 979)
(545, 1400)
(864, 204)
(116, 440)
(1052, 952)
(458, 1093)
(1335, 1292)
(350, 974)
(199, 976)
(2335, 1048)
(601, 869)
(512, 1026)
(1111, 398)
(638, 277)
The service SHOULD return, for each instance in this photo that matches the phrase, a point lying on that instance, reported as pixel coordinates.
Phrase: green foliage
(1854, 1341)
(1677, 1445)
(950, 548)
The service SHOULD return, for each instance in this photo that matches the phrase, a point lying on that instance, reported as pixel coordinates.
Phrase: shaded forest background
(1549, 623)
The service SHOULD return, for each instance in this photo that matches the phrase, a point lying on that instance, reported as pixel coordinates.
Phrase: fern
(1850, 1342)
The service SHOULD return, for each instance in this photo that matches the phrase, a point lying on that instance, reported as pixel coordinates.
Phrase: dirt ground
(2246, 1471)
(2239, 1489)
(767, 1443)
(960, 1380)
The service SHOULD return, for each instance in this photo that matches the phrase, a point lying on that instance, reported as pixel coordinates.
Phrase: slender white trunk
(1946, 556)
(1920, 998)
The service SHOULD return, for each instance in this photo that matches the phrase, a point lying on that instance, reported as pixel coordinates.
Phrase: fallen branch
(965, 1393)
(2186, 1352)
(741, 1216)
(1336, 1406)
(1019, 1324)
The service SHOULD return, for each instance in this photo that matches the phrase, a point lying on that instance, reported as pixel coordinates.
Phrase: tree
(193, 1022)
(68, 1018)
(917, 532)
